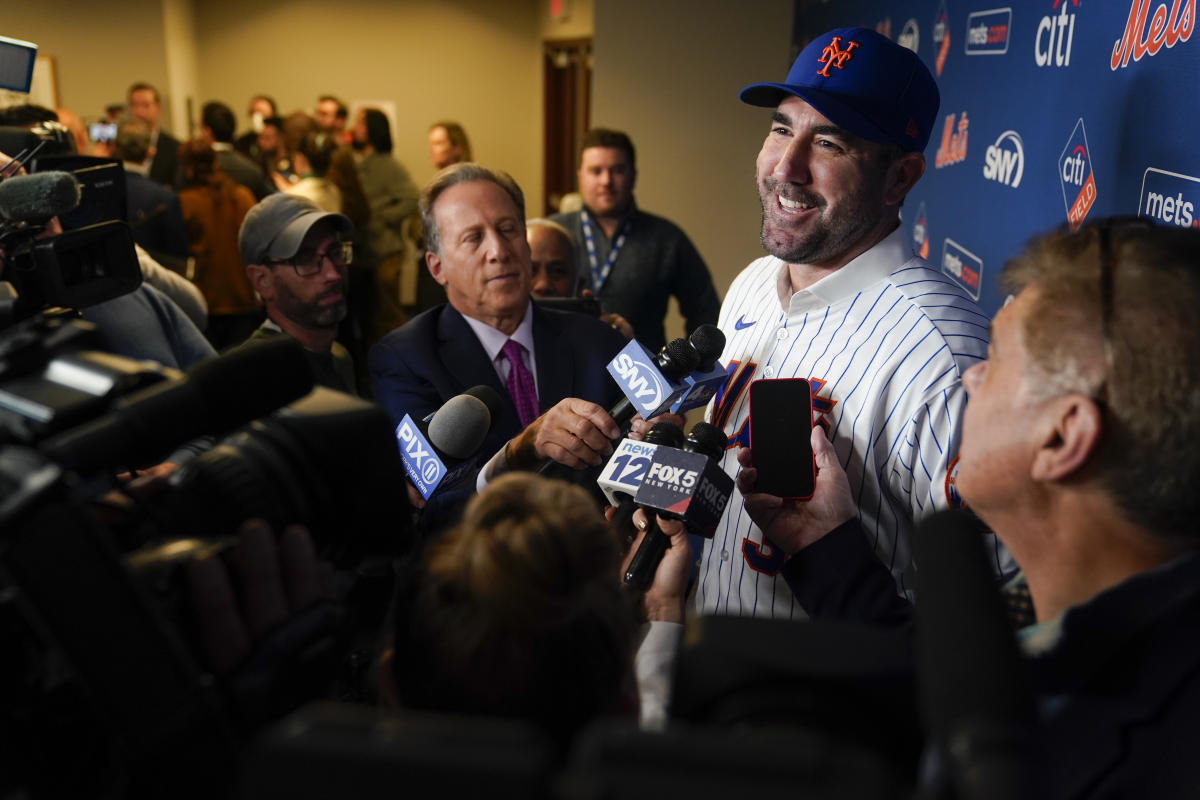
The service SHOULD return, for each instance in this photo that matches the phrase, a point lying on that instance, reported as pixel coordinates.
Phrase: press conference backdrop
(1053, 112)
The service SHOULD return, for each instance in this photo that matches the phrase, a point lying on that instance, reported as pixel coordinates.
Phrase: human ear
(903, 174)
(1070, 439)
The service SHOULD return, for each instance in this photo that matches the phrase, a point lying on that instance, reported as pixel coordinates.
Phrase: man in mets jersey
(882, 338)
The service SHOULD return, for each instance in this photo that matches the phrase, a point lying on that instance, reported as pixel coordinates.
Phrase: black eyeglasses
(308, 261)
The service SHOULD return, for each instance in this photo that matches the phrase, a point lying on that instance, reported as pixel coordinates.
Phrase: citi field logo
(1167, 29)
(953, 148)
(910, 35)
(941, 39)
(920, 234)
(963, 266)
(1170, 198)
(1055, 35)
(987, 32)
(1004, 161)
(1075, 174)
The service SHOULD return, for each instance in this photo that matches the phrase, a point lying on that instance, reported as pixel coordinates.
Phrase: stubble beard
(824, 238)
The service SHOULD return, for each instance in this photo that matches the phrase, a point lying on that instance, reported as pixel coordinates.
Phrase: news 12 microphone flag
(1053, 112)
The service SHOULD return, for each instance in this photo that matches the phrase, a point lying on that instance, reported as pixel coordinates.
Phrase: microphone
(212, 397)
(438, 450)
(650, 382)
(624, 472)
(710, 374)
(688, 485)
(976, 704)
(38, 197)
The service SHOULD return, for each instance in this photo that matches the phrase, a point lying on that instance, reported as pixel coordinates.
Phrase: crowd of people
(1065, 424)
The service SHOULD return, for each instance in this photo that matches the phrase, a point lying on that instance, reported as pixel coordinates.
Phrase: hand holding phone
(780, 443)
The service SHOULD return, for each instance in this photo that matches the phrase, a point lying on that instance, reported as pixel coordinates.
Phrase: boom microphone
(688, 485)
(38, 197)
(213, 397)
(439, 451)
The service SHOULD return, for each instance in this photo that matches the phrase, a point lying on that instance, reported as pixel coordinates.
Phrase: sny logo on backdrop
(910, 36)
(1170, 197)
(941, 38)
(1055, 35)
(963, 266)
(1004, 161)
(987, 32)
(953, 148)
(1166, 28)
(1075, 174)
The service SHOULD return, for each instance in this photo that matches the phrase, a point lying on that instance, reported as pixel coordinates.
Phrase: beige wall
(474, 61)
(98, 48)
(668, 73)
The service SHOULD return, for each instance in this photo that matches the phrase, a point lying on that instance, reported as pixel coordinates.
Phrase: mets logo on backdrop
(953, 147)
(1170, 198)
(963, 266)
(1075, 174)
(1004, 161)
(910, 36)
(1167, 29)
(1055, 35)
(834, 56)
(941, 38)
(920, 233)
(987, 32)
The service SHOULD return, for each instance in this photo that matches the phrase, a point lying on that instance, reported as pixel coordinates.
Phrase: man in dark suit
(145, 104)
(473, 224)
(219, 124)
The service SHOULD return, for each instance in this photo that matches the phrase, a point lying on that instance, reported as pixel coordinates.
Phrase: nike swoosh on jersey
(741, 323)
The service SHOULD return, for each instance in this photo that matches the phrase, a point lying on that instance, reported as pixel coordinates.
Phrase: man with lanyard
(636, 260)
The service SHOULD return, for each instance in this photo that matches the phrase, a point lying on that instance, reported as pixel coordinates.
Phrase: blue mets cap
(864, 83)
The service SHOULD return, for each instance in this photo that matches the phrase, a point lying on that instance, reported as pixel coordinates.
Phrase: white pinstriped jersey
(884, 342)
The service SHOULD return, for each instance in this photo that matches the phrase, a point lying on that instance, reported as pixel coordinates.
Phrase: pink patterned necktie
(520, 383)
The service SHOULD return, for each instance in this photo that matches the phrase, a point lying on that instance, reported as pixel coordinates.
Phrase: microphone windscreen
(709, 342)
(707, 440)
(968, 665)
(251, 381)
(460, 426)
(38, 196)
(666, 434)
(489, 396)
(678, 359)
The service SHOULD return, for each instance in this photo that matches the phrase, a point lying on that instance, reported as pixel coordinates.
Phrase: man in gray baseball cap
(296, 258)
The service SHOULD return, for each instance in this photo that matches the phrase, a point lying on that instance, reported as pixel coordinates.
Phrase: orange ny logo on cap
(834, 56)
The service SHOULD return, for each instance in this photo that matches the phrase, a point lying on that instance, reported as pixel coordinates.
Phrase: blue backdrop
(1053, 112)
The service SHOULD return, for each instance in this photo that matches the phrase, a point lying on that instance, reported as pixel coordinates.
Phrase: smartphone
(103, 131)
(780, 431)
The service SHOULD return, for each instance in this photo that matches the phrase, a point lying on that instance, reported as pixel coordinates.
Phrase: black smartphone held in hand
(780, 431)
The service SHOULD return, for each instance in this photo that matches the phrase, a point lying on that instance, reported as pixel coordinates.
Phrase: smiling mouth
(790, 206)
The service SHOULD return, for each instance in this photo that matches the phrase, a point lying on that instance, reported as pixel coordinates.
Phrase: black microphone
(213, 397)
(687, 485)
(673, 362)
(975, 700)
(709, 342)
(670, 366)
(626, 469)
(440, 450)
(38, 197)
(709, 375)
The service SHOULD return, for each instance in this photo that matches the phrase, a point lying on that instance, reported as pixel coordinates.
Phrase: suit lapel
(463, 357)
(555, 360)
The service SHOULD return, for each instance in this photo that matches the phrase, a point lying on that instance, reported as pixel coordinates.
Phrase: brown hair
(457, 137)
(463, 172)
(519, 611)
(1148, 381)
